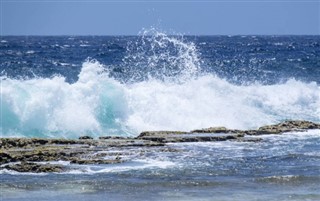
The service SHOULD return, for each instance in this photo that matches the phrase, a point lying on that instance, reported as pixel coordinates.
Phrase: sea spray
(159, 56)
(161, 87)
(100, 105)
(51, 107)
(211, 101)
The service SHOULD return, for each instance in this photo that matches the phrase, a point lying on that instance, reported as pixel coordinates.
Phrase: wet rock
(26, 153)
(191, 137)
(249, 139)
(64, 141)
(112, 138)
(134, 143)
(8, 143)
(159, 133)
(33, 167)
(40, 154)
(214, 130)
(86, 137)
(96, 161)
(21, 142)
(230, 134)
(287, 126)
(6, 158)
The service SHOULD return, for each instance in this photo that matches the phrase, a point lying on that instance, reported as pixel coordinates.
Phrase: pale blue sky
(103, 17)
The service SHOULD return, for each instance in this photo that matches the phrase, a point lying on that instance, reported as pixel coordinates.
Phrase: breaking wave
(166, 91)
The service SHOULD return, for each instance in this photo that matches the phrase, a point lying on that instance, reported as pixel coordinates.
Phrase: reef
(42, 155)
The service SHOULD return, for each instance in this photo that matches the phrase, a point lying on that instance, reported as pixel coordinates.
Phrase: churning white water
(99, 105)
(164, 90)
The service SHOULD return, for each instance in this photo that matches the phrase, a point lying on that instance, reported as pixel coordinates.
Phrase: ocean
(70, 86)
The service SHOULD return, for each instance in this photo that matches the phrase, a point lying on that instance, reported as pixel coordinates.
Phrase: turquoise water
(64, 87)
(70, 86)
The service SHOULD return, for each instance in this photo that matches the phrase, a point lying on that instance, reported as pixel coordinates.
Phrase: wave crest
(99, 105)
(165, 90)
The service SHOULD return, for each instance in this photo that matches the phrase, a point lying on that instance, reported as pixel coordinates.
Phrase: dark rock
(192, 137)
(249, 139)
(96, 161)
(7, 143)
(287, 126)
(212, 130)
(155, 133)
(112, 138)
(135, 143)
(6, 158)
(33, 167)
(42, 154)
(85, 137)
(65, 141)
(24, 152)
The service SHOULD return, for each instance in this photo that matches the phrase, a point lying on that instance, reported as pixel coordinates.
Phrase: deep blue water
(60, 86)
(67, 86)
(240, 59)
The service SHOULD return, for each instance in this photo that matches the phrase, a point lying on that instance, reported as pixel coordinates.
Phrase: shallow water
(281, 167)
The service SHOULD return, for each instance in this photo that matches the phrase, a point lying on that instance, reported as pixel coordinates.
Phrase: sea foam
(164, 90)
(99, 105)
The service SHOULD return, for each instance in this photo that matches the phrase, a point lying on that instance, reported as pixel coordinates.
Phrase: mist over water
(155, 82)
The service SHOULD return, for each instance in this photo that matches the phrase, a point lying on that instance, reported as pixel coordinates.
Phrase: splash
(156, 55)
(164, 90)
(210, 101)
(99, 105)
(52, 107)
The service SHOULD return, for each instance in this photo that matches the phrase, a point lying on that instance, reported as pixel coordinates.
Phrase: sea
(70, 86)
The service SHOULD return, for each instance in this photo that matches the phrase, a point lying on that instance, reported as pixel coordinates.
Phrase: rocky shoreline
(40, 155)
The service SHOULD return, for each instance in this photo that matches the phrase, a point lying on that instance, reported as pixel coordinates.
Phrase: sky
(129, 17)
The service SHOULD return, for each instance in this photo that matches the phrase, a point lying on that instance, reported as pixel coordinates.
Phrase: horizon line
(132, 35)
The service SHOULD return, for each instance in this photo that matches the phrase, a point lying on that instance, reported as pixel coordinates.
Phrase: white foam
(11, 172)
(98, 104)
(176, 96)
(137, 165)
(129, 166)
(309, 134)
(30, 52)
(54, 107)
(210, 101)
